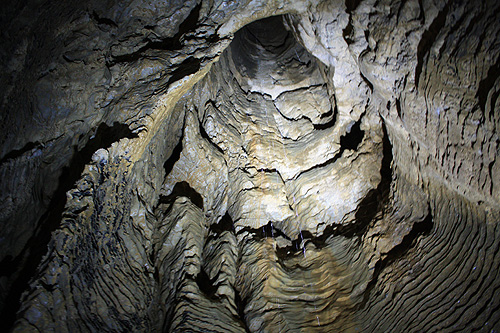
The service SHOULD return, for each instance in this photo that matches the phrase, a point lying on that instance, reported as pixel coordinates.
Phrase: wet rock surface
(246, 166)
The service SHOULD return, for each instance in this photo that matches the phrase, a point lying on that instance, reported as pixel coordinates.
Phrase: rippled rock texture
(235, 166)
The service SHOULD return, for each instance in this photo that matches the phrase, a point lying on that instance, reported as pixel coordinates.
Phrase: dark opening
(353, 138)
(206, 285)
(183, 189)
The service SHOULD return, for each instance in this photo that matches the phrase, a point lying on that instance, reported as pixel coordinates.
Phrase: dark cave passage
(272, 166)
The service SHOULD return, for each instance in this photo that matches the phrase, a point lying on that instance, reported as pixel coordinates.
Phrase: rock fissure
(428, 38)
(173, 43)
(486, 85)
(348, 141)
(419, 229)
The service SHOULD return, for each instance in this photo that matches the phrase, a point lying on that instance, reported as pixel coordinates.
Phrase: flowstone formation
(234, 166)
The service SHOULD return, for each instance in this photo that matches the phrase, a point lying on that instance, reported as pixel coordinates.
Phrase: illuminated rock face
(239, 166)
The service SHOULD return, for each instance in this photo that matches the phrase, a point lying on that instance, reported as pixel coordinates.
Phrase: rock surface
(238, 166)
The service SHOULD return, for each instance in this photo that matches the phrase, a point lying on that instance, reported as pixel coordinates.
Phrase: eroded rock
(246, 166)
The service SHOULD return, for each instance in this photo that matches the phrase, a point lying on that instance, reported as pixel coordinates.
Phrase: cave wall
(182, 165)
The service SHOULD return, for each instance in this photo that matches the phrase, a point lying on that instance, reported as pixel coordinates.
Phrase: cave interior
(246, 166)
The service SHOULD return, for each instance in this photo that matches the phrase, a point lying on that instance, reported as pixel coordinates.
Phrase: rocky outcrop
(247, 166)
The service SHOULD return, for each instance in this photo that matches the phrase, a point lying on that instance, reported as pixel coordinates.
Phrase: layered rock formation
(250, 166)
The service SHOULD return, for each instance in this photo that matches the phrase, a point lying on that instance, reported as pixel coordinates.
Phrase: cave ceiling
(250, 166)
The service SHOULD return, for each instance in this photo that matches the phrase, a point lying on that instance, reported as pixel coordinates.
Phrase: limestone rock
(233, 166)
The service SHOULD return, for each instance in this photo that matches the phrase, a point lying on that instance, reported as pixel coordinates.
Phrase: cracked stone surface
(235, 166)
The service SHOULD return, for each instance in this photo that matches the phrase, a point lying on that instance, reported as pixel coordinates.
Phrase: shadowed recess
(36, 246)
